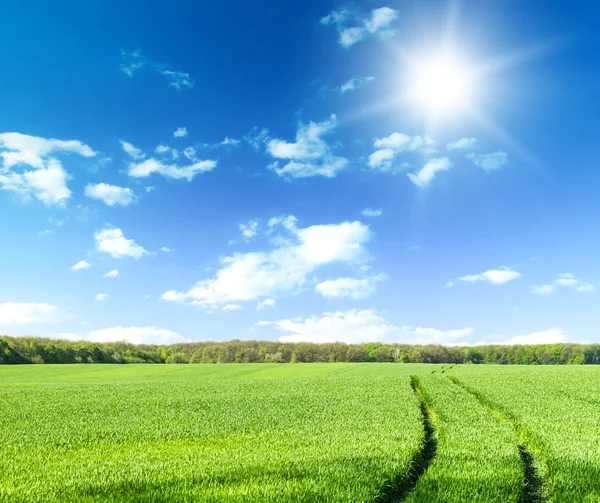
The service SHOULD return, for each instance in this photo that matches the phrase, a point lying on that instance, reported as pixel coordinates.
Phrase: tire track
(534, 489)
(404, 484)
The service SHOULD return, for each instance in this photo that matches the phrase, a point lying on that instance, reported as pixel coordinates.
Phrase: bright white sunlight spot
(441, 84)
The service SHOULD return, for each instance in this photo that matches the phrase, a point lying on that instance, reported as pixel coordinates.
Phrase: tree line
(16, 350)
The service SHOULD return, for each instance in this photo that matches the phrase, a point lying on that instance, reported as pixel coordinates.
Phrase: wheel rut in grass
(404, 484)
(533, 490)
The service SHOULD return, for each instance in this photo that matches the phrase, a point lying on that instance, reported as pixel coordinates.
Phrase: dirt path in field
(534, 491)
(404, 484)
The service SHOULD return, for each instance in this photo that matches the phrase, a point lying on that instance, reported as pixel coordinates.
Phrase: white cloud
(82, 264)
(179, 80)
(389, 147)
(149, 166)
(47, 179)
(355, 83)
(45, 232)
(136, 335)
(336, 17)
(284, 269)
(166, 150)
(309, 155)
(348, 36)
(565, 281)
(382, 159)
(232, 307)
(166, 249)
(401, 142)
(427, 173)
(356, 326)
(250, 229)
(227, 143)
(371, 212)
(133, 151)
(180, 132)
(551, 336)
(352, 288)
(462, 144)
(263, 304)
(230, 142)
(111, 274)
(257, 138)
(498, 276)
(113, 242)
(24, 313)
(131, 62)
(190, 153)
(31, 150)
(380, 18)
(490, 162)
(102, 297)
(111, 195)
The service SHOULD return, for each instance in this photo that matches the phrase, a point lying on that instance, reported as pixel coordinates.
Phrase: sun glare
(440, 85)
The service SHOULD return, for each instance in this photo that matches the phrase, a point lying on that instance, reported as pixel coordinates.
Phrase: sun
(441, 84)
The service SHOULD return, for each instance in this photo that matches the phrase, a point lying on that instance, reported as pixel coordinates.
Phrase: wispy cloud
(353, 29)
(143, 166)
(132, 151)
(356, 326)
(82, 264)
(257, 137)
(132, 334)
(462, 144)
(371, 212)
(250, 229)
(498, 276)
(263, 304)
(25, 313)
(427, 173)
(563, 281)
(166, 151)
(226, 143)
(153, 166)
(309, 155)
(111, 274)
(353, 288)
(111, 195)
(179, 80)
(180, 132)
(134, 61)
(489, 162)
(550, 336)
(355, 83)
(389, 147)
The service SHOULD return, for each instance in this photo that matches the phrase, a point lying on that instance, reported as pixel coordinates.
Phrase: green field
(300, 432)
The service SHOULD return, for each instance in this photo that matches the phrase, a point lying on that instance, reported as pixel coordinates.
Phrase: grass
(299, 433)
(556, 412)
(477, 457)
(233, 433)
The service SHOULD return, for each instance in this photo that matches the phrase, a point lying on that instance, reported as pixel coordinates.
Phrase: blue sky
(277, 170)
